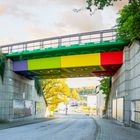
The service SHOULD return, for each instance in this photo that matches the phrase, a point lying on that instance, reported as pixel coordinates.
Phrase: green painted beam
(87, 48)
(44, 63)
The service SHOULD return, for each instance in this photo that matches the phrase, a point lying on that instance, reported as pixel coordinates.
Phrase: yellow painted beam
(80, 60)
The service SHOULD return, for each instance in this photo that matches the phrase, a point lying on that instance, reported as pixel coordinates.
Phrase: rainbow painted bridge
(96, 53)
(98, 64)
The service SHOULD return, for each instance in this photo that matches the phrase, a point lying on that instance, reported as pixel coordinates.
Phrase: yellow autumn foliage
(55, 91)
(74, 94)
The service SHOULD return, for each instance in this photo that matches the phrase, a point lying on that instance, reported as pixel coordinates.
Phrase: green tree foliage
(99, 3)
(105, 87)
(55, 91)
(2, 65)
(129, 22)
(38, 87)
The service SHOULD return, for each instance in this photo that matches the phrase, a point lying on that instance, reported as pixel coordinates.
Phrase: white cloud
(45, 18)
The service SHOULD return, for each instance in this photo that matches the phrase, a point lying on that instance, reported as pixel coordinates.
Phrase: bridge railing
(67, 40)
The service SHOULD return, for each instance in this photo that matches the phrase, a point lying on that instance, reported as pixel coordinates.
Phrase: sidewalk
(109, 130)
(7, 125)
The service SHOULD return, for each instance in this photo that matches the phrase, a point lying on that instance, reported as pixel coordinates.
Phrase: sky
(83, 82)
(22, 20)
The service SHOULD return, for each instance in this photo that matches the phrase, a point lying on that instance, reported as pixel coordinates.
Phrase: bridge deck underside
(83, 65)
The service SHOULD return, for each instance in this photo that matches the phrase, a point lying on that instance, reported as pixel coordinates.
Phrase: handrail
(66, 40)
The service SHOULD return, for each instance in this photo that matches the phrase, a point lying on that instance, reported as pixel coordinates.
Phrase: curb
(18, 124)
(98, 129)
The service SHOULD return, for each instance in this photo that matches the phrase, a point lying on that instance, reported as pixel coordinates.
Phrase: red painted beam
(111, 58)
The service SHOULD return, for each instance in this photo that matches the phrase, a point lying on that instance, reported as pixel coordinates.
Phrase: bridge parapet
(67, 40)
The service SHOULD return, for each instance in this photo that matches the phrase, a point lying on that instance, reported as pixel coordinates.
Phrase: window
(135, 111)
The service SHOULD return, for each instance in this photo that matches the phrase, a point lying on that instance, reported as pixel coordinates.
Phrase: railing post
(79, 39)
(11, 49)
(101, 36)
(59, 41)
(8, 49)
(112, 34)
(41, 45)
(24, 47)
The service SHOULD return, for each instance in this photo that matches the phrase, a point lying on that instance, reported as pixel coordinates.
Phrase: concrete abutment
(124, 104)
(18, 97)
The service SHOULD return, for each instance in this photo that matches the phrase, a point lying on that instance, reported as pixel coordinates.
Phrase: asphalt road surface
(71, 127)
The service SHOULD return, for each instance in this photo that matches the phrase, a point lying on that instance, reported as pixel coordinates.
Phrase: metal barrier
(67, 40)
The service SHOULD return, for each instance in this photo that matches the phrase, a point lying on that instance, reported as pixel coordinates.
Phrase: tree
(38, 87)
(55, 91)
(105, 87)
(128, 24)
(74, 94)
(100, 4)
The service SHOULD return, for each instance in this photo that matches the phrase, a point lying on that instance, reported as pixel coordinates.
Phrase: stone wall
(126, 86)
(15, 92)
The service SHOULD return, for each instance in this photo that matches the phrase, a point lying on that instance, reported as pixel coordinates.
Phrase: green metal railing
(67, 40)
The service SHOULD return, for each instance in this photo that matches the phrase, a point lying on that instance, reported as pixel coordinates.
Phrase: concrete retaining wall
(126, 83)
(15, 89)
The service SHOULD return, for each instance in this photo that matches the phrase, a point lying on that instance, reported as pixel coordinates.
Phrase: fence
(67, 40)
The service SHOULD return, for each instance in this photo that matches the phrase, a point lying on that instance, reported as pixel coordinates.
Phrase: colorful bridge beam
(99, 64)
